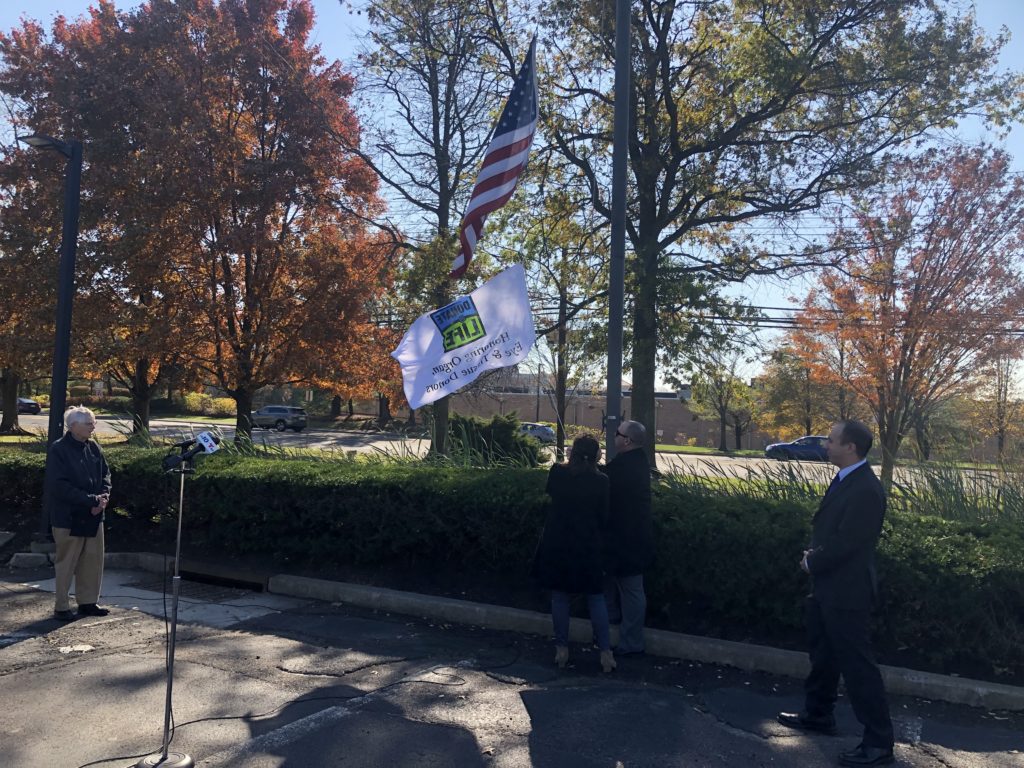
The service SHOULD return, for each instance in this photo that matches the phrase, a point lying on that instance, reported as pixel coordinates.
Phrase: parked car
(25, 405)
(280, 417)
(808, 448)
(542, 432)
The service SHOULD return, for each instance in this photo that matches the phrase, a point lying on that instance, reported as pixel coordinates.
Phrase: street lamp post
(617, 269)
(65, 293)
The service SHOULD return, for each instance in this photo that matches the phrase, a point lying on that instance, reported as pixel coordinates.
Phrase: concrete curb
(746, 656)
(29, 560)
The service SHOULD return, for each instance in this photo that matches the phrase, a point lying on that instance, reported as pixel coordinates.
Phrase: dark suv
(280, 417)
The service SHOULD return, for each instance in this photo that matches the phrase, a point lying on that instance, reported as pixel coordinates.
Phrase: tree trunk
(645, 347)
(890, 442)
(142, 394)
(336, 406)
(243, 414)
(439, 428)
(723, 430)
(924, 443)
(140, 415)
(441, 408)
(9, 398)
(351, 408)
(383, 410)
(738, 428)
(412, 418)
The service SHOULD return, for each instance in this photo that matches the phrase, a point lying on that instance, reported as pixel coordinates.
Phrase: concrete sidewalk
(673, 645)
(275, 681)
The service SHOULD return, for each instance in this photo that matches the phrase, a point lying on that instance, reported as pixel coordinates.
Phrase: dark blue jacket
(76, 474)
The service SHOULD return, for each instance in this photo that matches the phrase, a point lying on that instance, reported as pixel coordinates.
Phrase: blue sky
(336, 29)
(333, 29)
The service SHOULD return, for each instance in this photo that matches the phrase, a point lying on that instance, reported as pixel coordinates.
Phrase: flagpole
(617, 271)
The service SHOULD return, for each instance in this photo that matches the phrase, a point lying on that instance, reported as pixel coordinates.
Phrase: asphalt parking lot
(264, 680)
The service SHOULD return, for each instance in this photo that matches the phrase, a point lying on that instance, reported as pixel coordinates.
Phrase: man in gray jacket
(629, 541)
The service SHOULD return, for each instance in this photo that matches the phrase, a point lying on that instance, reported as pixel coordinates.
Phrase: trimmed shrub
(220, 406)
(951, 592)
(195, 402)
(477, 442)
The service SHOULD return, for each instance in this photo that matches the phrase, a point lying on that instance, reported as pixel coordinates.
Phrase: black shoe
(64, 615)
(862, 755)
(805, 722)
(91, 609)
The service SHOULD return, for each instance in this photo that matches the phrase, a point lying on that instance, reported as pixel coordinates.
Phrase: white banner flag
(448, 348)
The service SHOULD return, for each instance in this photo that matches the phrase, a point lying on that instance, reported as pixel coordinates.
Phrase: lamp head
(42, 141)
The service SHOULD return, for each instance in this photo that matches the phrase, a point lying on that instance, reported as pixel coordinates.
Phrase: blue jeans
(627, 603)
(596, 606)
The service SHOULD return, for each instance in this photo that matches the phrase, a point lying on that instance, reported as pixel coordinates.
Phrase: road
(384, 444)
(263, 681)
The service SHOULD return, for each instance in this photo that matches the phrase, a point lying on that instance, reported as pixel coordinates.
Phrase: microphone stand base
(174, 760)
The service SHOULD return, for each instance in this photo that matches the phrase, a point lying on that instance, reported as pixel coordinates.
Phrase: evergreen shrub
(951, 598)
(195, 402)
(219, 406)
(491, 442)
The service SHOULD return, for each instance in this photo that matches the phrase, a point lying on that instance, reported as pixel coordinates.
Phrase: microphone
(184, 443)
(204, 443)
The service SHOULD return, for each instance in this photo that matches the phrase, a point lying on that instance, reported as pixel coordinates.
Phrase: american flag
(504, 161)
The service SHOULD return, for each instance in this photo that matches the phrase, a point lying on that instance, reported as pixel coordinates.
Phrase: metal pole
(65, 296)
(176, 583)
(617, 272)
(173, 759)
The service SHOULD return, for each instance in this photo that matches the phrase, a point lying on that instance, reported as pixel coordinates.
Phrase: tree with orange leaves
(222, 210)
(930, 283)
(28, 265)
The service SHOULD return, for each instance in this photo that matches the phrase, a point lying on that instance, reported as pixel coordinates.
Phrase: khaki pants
(82, 558)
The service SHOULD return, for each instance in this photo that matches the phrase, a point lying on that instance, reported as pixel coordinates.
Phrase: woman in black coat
(569, 558)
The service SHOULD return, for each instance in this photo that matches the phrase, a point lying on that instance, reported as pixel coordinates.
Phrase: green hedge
(952, 594)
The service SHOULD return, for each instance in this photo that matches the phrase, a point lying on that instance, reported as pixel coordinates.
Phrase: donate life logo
(459, 323)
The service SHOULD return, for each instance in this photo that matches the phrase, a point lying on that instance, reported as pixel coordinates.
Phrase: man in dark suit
(629, 538)
(841, 563)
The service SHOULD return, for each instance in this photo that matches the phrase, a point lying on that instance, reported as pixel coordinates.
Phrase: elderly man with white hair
(79, 483)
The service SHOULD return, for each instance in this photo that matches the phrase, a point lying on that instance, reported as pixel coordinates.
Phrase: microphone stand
(163, 758)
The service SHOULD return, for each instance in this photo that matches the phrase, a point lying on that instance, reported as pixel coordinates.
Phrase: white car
(541, 432)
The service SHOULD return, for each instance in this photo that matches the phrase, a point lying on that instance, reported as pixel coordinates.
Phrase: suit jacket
(846, 529)
(629, 541)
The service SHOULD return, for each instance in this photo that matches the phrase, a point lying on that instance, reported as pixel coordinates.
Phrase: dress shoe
(64, 615)
(91, 609)
(862, 755)
(805, 722)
